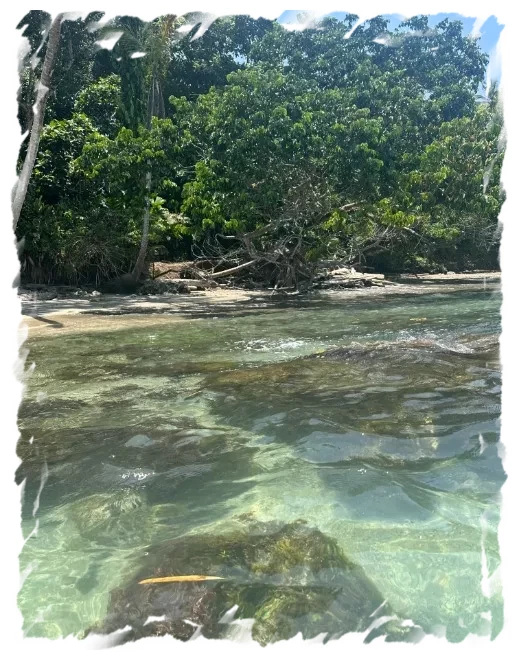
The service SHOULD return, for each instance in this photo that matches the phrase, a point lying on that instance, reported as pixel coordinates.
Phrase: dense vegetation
(255, 146)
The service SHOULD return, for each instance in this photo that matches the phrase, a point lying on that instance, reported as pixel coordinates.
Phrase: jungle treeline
(248, 146)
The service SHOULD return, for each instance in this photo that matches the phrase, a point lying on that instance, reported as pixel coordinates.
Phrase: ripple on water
(179, 435)
(324, 447)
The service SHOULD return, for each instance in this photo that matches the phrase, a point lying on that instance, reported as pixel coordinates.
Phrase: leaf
(180, 578)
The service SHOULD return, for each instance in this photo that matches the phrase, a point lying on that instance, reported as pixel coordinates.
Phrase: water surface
(140, 436)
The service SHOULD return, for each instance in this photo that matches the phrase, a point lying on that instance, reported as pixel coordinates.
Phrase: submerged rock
(353, 361)
(405, 348)
(289, 579)
(139, 441)
(115, 519)
(100, 509)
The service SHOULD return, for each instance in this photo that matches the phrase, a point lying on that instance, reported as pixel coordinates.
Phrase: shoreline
(100, 312)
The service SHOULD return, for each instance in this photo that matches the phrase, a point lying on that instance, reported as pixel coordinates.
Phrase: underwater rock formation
(101, 508)
(288, 578)
(475, 349)
(114, 519)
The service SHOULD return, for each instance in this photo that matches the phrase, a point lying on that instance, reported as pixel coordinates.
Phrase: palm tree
(157, 43)
(145, 55)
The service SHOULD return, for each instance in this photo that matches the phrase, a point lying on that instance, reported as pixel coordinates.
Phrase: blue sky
(489, 30)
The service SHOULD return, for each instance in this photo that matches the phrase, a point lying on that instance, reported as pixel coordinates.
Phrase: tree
(22, 185)
(73, 68)
(145, 52)
(279, 157)
(444, 65)
(277, 149)
(100, 101)
(70, 231)
(199, 62)
(157, 42)
(456, 189)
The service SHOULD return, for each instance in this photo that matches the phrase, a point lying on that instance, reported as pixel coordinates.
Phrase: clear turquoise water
(133, 437)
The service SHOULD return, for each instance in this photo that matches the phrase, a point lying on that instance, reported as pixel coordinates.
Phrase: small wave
(422, 345)
(452, 347)
(270, 346)
(119, 476)
(431, 340)
(136, 475)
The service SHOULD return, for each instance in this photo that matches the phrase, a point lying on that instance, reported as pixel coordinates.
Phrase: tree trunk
(22, 184)
(141, 258)
(155, 109)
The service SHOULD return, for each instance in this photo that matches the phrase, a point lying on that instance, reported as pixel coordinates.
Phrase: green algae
(289, 578)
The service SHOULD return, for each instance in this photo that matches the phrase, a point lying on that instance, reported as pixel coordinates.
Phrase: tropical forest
(257, 147)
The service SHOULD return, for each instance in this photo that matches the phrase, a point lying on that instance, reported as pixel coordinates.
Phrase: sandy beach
(109, 312)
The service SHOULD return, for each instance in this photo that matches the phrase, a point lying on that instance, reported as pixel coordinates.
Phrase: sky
(489, 32)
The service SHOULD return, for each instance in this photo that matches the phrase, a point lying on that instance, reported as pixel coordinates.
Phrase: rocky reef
(289, 578)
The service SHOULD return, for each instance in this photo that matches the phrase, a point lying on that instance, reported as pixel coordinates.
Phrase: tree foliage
(251, 144)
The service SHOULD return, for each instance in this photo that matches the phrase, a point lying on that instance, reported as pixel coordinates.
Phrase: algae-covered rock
(289, 578)
(280, 616)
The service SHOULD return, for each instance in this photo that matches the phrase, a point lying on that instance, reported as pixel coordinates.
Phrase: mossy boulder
(288, 578)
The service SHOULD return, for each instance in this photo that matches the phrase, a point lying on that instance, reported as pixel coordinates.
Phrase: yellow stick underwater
(180, 578)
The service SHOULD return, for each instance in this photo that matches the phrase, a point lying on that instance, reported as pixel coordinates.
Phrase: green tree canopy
(275, 147)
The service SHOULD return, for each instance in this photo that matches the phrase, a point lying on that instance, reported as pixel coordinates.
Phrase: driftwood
(231, 271)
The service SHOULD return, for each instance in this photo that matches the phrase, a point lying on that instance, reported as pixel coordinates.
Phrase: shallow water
(142, 435)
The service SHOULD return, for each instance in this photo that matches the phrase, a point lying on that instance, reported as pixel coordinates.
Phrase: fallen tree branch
(231, 271)
(164, 272)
